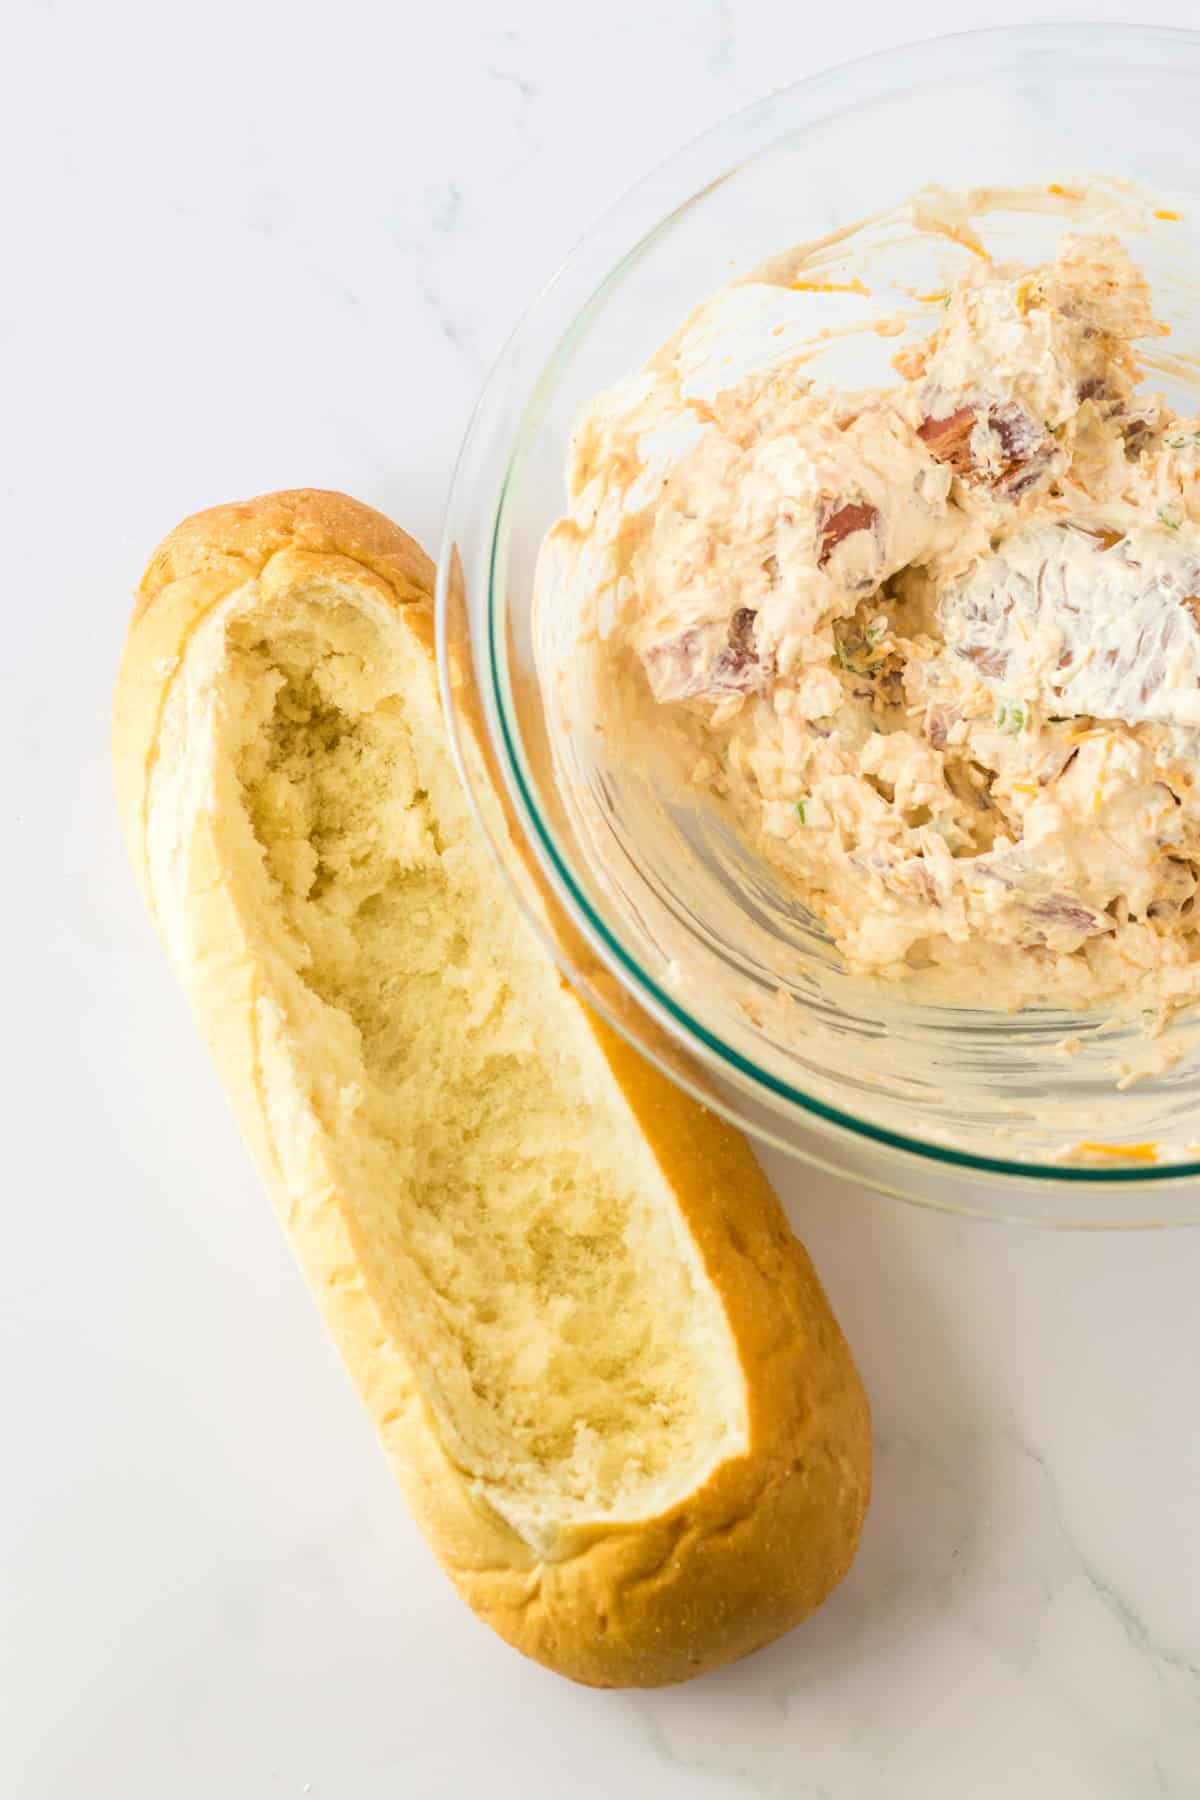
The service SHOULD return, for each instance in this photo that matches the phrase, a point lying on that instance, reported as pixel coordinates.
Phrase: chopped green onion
(876, 631)
(1170, 523)
(801, 811)
(1011, 716)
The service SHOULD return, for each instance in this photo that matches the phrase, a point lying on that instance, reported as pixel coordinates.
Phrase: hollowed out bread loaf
(601, 1366)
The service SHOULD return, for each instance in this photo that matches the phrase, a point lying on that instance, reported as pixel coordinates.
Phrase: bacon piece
(948, 440)
(1020, 438)
(1139, 431)
(1025, 447)
(684, 667)
(1095, 388)
(1068, 913)
(741, 632)
(839, 522)
(987, 660)
(736, 672)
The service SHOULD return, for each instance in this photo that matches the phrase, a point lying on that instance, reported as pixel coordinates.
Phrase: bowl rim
(970, 48)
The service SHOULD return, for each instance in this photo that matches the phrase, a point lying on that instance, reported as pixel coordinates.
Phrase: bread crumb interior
(516, 1235)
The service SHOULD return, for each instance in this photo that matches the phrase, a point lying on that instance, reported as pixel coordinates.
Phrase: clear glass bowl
(656, 914)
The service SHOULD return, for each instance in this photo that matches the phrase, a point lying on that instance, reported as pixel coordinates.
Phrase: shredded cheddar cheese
(1029, 295)
(832, 287)
(1147, 1153)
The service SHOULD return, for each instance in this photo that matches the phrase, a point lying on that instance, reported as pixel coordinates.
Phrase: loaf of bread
(603, 1369)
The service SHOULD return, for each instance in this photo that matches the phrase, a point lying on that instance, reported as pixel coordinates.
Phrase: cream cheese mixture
(937, 645)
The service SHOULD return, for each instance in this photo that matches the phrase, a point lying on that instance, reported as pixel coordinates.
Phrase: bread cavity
(515, 1234)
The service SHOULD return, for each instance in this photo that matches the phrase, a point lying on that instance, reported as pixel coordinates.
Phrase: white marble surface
(252, 245)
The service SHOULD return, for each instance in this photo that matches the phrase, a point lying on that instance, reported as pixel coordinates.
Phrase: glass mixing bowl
(654, 910)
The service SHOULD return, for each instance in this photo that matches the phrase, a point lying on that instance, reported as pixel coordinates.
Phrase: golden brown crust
(250, 532)
(772, 1531)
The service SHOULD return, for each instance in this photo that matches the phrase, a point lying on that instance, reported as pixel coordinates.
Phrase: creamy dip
(937, 645)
